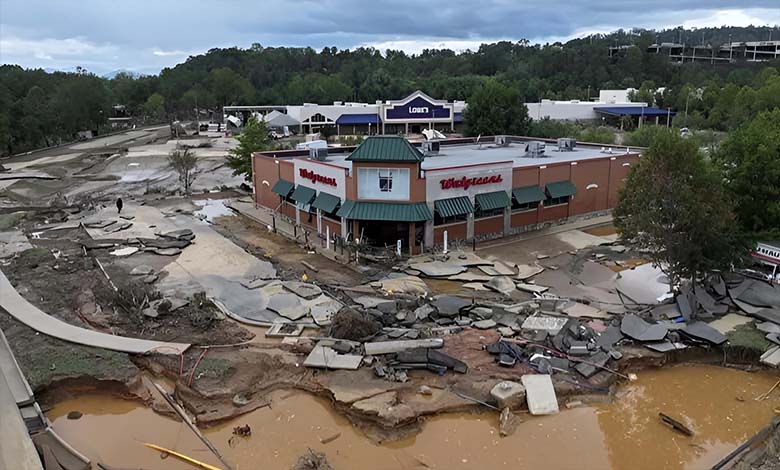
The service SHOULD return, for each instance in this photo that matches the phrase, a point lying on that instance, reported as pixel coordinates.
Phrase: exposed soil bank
(716, 403)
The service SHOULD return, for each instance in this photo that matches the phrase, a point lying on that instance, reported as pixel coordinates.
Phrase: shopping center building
(407, 115)
(389, 189)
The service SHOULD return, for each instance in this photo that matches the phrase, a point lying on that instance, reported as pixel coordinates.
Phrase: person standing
(119, 205)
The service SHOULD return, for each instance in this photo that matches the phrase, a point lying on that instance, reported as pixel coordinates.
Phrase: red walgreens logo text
(466, 183)
(315, 178)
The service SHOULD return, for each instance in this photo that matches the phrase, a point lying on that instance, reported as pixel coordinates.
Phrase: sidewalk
(576, 225)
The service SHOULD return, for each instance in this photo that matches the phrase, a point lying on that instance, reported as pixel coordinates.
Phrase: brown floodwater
(716, 403)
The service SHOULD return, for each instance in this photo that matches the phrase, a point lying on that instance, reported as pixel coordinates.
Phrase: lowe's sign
(417, 108)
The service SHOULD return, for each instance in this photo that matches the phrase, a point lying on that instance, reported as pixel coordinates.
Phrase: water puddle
(718, 404)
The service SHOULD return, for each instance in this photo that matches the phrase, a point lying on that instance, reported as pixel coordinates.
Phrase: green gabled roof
(561, 189)
(385, 211)
(453, 206)
(303, 194)
(326, 202)
(494, 200)
(283, 188)
(386, 149)
(528, 194)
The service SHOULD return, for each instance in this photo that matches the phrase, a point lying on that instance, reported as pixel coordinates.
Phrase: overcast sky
(147, 35)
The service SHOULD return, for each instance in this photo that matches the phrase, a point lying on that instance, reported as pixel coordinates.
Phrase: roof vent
(318, 154)
(534, 149)
(502, 141)
(431, 147)
(566, 144)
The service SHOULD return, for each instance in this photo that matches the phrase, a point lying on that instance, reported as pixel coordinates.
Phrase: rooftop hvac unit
(534, 149)
(566, 144)
(431, 147)
(502, 141)
(319, 154)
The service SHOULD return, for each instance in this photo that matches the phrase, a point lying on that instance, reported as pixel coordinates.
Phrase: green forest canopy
(39, 108)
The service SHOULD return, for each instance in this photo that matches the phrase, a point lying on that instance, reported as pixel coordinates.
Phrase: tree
(183, 161)
(750, 161)
(496, 109)
(155, 107)
(674, 205)
(253, 138)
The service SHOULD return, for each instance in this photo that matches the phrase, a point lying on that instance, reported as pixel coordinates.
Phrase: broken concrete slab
(664, 346)
(768, 327)
(542, 322)
(501, 284)
(438, 268)
(323, 312)
(595, 363)
(476, 286)
(638, 329)
(729, 323)
(366, 301)
(540, 394)
(99, 223)
(117, 227)
(532, 288)
(288, 306)
(423, 312)
(389, 347)
(164, 251)
(703, 331)
(667, 311)
(508, 394)
(768, 314)
(526, 271)
(283, 330)
(507, 422)
(256, 283)
(469, 277)
(578, 310)
(505, 269)
(644, 284)
(325, 357)
(489, 270)
(449, 305)
(142, 270)
(401, 284)
(609, 338)
(484, 324)
(771, 357)
(302, 289)
(126, 251)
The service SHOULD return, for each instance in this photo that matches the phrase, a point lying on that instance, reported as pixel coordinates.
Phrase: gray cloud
(147, 35)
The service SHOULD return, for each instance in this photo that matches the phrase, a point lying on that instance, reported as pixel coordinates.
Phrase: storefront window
(481, 214)
(439, 220)
(386, 181)
(554, 201)
(525, 206)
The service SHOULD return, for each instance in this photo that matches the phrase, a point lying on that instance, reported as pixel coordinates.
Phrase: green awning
(326, 202)
(385, 211)
(453, 206)
(561, 189)
(528, 194)
(303, 194)
(494, 200)
(283, 188)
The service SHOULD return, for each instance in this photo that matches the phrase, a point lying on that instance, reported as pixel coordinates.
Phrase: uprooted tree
(674, 205)
(253, 138)
(183, 161)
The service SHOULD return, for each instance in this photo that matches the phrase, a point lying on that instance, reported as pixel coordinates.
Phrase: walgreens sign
(466, 183)
(316, 178)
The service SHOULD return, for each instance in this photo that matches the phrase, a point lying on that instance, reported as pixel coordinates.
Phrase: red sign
(315, 178)
(466, 183)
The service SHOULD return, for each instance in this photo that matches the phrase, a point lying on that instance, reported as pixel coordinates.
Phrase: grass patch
(55, 363)
(9, 221)
(749, 337)
(215, 368)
